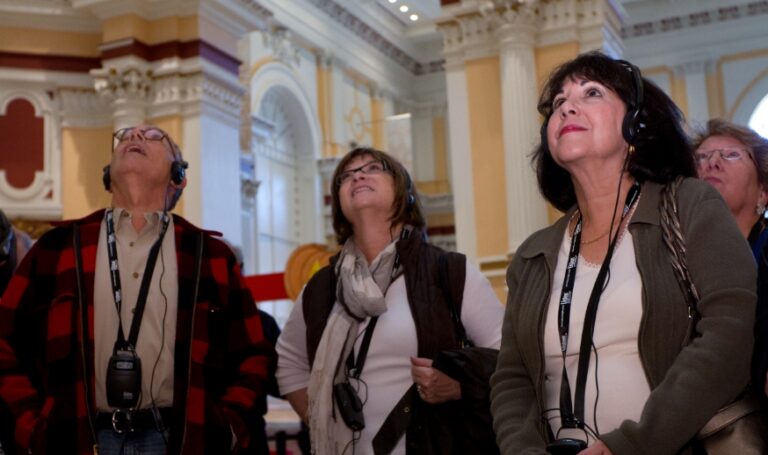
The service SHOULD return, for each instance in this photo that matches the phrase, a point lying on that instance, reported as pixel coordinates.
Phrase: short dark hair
(406, 207)
(662, 148)
(756, 144)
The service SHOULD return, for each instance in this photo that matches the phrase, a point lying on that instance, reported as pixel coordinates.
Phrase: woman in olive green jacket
(650, 392)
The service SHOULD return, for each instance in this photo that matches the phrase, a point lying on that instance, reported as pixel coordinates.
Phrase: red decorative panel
(21, 149)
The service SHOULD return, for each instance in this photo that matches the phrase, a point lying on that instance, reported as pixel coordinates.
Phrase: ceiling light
(414, 17)
(404, 8)
(392, 1)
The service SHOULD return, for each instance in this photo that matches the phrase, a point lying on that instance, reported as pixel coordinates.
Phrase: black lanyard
(573, 417)
(114, 274)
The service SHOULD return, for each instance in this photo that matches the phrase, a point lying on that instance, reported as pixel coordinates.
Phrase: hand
(598, 448)
(433, 385)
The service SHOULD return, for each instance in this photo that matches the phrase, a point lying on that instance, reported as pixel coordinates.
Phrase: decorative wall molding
(371, 36)
(42, 198)
(278, 41)
(468, 36)
(476, 31)
(433, 204)
(696, 19)
(706, 66)
(114, 83)
(81, 108)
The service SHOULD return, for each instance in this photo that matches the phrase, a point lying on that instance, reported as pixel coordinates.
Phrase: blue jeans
(148, 442)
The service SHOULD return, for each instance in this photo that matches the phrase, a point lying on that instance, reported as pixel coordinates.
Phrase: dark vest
(430, 428)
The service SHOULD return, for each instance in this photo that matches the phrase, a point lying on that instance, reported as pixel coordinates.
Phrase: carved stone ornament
(249, 188)
(278, 41)
(126, 83)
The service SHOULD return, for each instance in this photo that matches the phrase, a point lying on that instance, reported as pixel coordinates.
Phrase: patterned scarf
(360, 291)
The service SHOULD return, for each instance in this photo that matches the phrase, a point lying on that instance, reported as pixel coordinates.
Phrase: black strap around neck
(355, 368)
(573, 416)
(114, 275)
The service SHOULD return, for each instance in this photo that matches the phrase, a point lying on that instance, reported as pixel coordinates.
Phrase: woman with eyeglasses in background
(383, 291)
(734, 159)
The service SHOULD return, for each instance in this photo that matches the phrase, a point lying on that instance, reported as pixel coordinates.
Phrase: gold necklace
(587, 242)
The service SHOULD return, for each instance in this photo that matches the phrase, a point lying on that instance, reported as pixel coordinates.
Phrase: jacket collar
(98, 215)
(547, 241)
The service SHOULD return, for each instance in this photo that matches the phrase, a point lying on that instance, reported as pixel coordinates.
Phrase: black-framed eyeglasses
(147, 134)
(370, 168)
(726, 154)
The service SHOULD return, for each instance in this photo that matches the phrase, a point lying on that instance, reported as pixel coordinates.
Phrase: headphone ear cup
(106, 178)
(178, 172)
(629, 125)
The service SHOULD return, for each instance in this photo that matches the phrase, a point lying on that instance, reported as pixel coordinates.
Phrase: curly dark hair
(662, 148)
(406, 207)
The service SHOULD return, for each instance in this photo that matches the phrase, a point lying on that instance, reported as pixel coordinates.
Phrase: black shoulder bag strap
(442, 276)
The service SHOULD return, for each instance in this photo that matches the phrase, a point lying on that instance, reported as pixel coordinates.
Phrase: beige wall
(37, 41)
(484, 99)
(84, 154)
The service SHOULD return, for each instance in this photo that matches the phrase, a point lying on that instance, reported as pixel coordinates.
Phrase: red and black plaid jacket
(221, 357)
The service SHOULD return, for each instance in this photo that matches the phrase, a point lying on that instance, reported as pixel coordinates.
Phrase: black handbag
(740, 427)
(472, 367)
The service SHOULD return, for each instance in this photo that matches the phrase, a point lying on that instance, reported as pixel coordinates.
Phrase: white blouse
(616, 380)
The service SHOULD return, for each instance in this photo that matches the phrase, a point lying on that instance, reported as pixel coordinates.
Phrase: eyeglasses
(147, 134)
(369, 168)
(703, 157)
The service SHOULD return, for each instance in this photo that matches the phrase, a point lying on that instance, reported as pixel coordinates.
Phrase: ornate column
(127, 89)
(325, 104)
(460, 149)
(515, 25)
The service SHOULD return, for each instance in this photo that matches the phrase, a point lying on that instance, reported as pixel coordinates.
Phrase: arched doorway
(285, 148)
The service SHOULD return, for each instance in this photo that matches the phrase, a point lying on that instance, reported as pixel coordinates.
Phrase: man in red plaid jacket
(202, 353)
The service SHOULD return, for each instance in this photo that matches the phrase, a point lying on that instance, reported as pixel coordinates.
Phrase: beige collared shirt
(157, 332)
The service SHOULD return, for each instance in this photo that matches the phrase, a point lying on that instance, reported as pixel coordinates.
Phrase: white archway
(286, 145)
(750, 99)
(758, 121)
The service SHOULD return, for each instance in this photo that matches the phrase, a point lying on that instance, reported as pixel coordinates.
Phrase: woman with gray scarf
(368, 326)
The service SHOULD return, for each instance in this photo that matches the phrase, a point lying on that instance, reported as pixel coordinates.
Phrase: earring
(760, 209)
(631, 149)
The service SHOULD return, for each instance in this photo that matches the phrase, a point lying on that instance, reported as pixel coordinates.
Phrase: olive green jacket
(688, 383)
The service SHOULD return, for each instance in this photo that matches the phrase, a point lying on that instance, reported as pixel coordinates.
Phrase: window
(759, 119)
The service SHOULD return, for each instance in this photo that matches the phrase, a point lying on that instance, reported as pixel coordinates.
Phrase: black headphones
(631, 125)
(178, 172)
